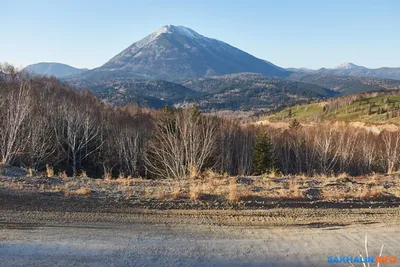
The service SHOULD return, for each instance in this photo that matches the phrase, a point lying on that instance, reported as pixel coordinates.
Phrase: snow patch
(346, 66)
(181, 30)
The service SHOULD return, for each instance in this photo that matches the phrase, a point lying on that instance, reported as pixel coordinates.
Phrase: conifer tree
(263, 154)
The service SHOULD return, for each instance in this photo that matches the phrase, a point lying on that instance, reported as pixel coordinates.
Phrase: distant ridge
(58, 70)
(351, 69)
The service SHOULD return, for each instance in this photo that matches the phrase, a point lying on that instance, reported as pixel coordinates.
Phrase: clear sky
(302, 33)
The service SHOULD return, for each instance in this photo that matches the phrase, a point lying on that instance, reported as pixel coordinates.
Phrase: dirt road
(118, 244)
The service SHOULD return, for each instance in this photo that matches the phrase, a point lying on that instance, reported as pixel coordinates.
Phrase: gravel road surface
(140, 244)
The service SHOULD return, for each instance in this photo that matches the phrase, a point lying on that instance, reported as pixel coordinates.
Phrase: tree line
(47, 122)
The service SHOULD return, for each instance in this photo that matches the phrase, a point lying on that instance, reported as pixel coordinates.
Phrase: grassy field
(374, 109)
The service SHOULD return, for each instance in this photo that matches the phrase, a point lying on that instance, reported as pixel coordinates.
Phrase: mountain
(346, 84)
(347, 66)
(53, 69)
(177, 53)
(253, 91)
(351, 69)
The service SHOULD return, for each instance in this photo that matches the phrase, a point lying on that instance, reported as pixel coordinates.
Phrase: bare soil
(58, 222)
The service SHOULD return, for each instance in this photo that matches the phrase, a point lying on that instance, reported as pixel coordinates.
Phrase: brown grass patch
(210, 175)
(192, 171)
(237, 192)
(396, 192)
(194, 191)
(233, 194)
(49, 171)
(176, 192)
(82, 191)
(107, 175)
(373, 193)
(363, 192)
(291, 191)
(160, 193)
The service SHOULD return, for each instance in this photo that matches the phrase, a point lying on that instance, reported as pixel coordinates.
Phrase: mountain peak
(177, 53)
(181, 30)
(347, 65)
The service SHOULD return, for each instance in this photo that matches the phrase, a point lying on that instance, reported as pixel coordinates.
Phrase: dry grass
(366, 254)
(177, 191)
(372, 180)
(210, 175)
(64, 175)
(82, 191)
(274, 173)
(84, 174)
(238, 192)
(30, 172)
(192, 171)
(49, 171)
(160, 193)
(212, 185)
(122, 180)
(294, 190)
(233, 194)
(194, 191)
(290, 191)
(107, 175)
(148, 192)
(351, 192)
(395, 191)
(342, 176)
(372, 193)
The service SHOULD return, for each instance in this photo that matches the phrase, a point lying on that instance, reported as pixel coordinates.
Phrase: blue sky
(299, 33)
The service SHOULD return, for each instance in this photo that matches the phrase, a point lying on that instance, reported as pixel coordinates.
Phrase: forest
(48, 123)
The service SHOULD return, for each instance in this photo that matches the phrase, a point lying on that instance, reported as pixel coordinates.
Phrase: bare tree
(76, 128)
(327, 148)
(368, 147)
(348, 139)
(16, 106)
(391, 150)
(41, 143)
(182, 144)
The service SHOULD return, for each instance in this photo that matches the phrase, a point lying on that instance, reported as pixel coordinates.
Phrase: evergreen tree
(294, 123)
(370, 109)
(263, 154)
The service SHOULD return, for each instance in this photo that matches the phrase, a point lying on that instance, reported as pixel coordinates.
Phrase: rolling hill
(252, 90)
(125, 90)
(57, 70)
(372, 108)
(346, 84)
